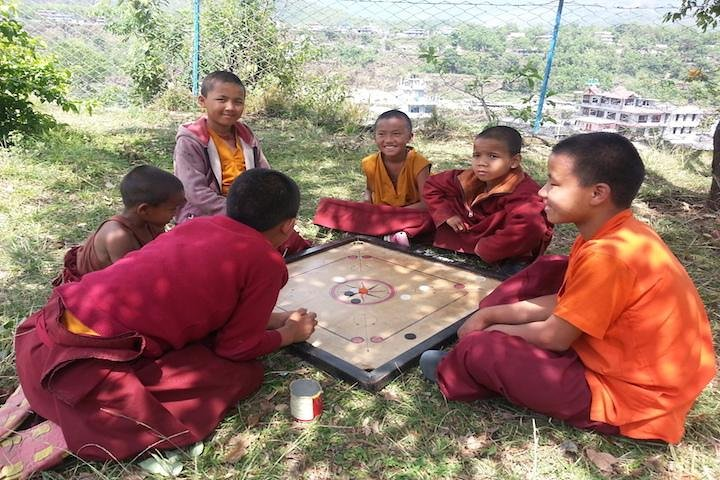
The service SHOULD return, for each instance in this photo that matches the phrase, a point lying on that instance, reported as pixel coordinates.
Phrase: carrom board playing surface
(378, 307)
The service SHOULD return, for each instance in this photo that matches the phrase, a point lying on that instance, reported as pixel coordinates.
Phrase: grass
(56, 190)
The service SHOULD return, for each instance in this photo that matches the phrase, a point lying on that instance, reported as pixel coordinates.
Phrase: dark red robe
(507, 225)
(181, 322)
(368, 219)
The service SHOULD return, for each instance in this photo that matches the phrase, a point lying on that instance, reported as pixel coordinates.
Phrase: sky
(486, 12)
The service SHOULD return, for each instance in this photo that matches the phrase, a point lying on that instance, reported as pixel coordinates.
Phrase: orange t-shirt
(231, 162)
(646, 342)
(406, 191)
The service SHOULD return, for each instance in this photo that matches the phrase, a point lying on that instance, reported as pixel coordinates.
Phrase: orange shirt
(384, 192)
(232, 163)
(646, 342)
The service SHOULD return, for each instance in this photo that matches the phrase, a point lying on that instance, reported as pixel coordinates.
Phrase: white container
(306, 401)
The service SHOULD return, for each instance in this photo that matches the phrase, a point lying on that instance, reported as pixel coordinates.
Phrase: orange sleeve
(595, 292)
(368, 166)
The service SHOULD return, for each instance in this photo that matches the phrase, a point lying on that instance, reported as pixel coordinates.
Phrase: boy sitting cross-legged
(491, 209)
(392, 204)
(625, 346)
(150, 352)
(151, 197)
(215, 149)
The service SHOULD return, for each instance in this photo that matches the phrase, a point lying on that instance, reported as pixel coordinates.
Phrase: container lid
(305, 387)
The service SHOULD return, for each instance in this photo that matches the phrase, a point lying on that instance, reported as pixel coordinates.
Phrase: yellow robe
(406, 191)
(232, 163)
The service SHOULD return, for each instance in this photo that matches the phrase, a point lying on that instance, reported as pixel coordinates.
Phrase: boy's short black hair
(394, 113)
(262, 199)
(508, 135)
(148, 184)
(603, 157)
(219, 76)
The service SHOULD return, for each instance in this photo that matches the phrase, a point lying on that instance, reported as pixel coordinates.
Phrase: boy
(395, 177)
(625, 346)
(215, 149)
(151, 197)
(153, 350)
(491, 209)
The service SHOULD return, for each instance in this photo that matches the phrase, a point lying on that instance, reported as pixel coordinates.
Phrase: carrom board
(378, 307)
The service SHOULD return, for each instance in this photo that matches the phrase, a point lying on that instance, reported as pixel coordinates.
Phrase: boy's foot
(33, 450)
(429, 362)
(398, 238)
(15, 410)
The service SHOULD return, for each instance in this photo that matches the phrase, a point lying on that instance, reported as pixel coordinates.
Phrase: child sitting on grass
(624, 347)
(395, 175)
(152, 351)
(211, 152)
(152, 198)
(491, 209)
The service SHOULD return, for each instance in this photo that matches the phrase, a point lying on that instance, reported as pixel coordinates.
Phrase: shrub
(26, 75)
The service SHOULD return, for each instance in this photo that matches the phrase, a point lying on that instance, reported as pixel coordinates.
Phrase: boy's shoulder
(198, 130)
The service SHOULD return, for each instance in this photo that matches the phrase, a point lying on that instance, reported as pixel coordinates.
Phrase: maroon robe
(503, 225)
(181, 322)
(82, 259)
(368, 219)
(490, 364)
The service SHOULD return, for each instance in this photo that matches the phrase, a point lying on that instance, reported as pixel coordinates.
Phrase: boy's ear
(515, 160)
(141, 209)
(600, 194)
(287, 226)
(201, 101)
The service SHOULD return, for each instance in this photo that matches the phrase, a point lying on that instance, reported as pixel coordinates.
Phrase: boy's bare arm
(114, 242)
(420, 180)
(554, 333)
(527, 311)
(277, 320)
(299, 326)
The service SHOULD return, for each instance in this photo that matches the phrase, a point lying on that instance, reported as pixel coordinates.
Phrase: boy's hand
(277, 320)
(479, 320)
(298, 327)
(457, 224)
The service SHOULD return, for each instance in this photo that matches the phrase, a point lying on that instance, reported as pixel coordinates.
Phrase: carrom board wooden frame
(375, 379)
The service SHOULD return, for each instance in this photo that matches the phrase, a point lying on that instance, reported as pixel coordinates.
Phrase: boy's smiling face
(492, 160)
(224, 103)
(566, 200)
(392, 136)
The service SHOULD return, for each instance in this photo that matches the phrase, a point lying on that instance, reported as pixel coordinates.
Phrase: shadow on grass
(408, 431)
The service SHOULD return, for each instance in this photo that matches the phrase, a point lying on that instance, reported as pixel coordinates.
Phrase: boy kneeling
(151, 352)
(625, 346)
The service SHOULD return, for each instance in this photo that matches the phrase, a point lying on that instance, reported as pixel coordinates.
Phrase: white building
(410, 97)
(621, 110)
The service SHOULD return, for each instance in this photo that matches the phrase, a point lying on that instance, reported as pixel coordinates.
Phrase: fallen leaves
(472, 446)
(237, 447)
(603, 461)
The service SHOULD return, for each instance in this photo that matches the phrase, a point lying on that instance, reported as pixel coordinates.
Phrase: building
(682, 122)
(410, 97)
(624, 111)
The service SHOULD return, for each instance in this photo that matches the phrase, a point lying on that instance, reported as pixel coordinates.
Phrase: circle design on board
(410, 336)
(362, 291)
(357, 340)
(459, 286)
(376, 339)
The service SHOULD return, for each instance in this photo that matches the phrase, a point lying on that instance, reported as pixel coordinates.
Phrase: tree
(25, 75)
(706, 15)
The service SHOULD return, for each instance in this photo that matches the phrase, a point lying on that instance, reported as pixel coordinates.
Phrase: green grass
(55, 191)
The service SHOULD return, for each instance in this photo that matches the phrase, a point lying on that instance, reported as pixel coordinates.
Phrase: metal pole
(548, 67)
(196, 47)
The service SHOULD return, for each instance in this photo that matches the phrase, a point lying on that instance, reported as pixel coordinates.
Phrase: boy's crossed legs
(486, 364)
